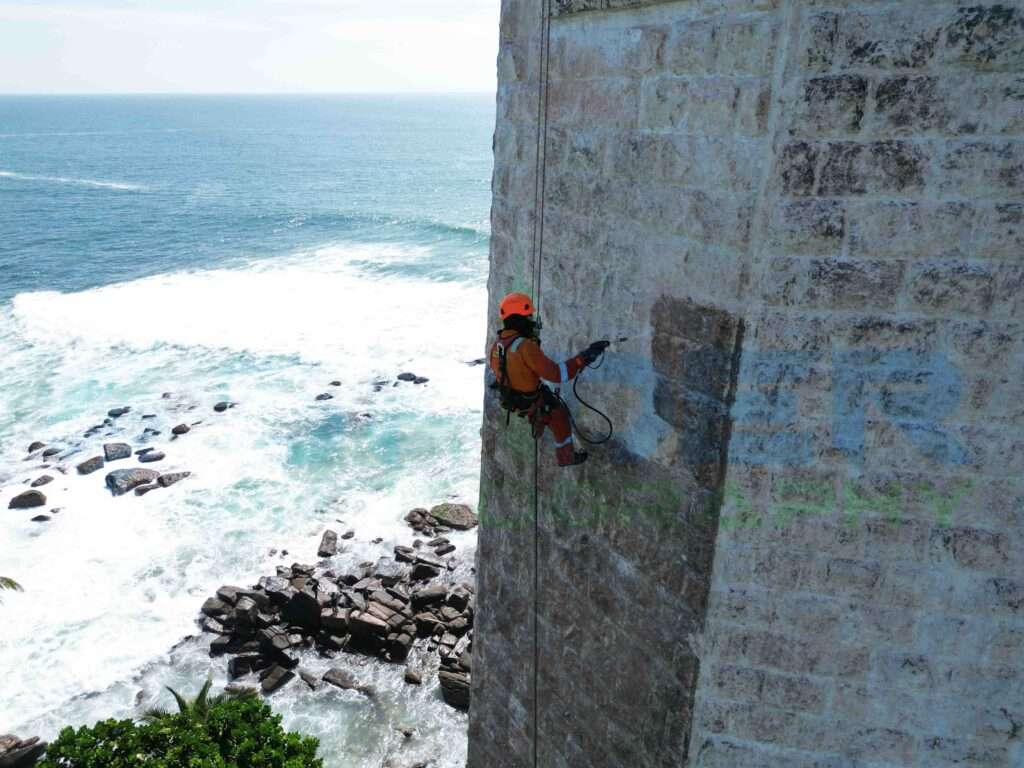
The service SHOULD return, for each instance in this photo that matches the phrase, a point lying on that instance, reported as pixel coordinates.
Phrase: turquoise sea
(168, 253)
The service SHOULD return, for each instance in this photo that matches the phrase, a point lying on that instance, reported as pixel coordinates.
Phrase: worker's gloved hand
(594, 351)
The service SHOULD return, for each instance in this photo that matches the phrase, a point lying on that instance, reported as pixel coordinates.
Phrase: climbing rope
(540, 192)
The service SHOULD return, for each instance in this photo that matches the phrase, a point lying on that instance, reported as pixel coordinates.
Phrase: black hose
(572, 419)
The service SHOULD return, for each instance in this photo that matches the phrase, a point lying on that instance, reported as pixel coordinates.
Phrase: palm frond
(154, 714)
(183, 706)
(10, 584)
(201, 706)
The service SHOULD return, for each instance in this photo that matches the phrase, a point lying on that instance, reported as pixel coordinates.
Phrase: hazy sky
(246, 46)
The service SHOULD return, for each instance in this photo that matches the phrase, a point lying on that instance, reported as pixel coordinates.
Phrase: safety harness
(512, 400)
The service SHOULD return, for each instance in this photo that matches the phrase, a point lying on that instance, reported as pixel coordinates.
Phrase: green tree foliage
(205, 733)
(7, 584)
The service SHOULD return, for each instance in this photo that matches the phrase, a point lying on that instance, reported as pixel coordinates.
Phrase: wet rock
(405, 554)
(28, 500)
(334, 620)
(407, 376)
(116, 413)
(121, 481)
(36, 446)
(166, 481)
(240, 666)
(328, 544)
(18, 753)
(413, 677)
(150, 432)
(340, 678)
(335, 383)
(229, 594)
(407, 731)
(91, 465)
(149, 415)
(142, 490)
(181, 429)
(310, 679)
(349, 534)
(151, 457)
(324, 397)
(303, 610)
(50, 452)
(44, 480)
(433, 595)
(223, 406)
(41, 519)
(367, 624)
(117, 451)
(455, 688)
(424, 572)
(276, 678)
(420, 380)
(215, 608)
(447, 549)
(457, 516)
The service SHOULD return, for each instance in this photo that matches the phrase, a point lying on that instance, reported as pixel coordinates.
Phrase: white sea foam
(116, 185)
(112, 584)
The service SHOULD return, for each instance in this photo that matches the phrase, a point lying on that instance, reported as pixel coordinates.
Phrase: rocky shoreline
(20, 753)
(384, 610)
(67, 458)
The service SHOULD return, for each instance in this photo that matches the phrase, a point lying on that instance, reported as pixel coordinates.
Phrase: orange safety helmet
(516, 304)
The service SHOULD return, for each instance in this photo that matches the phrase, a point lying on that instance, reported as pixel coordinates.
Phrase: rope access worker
(521, 368)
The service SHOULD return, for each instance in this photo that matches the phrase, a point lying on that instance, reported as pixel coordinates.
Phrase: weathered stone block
(814, 227)
(952, 287)
(890, 167)
(983, 170)
(830, 106)
(911, 230)
(690, 49)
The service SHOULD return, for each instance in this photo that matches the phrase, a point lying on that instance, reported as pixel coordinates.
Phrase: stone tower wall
(805, 544)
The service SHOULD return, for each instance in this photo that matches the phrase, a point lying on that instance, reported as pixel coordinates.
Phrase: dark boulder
(367, 624)
(455, 688)
(335, 383)
(328, 544)
(276, 678)
(303, 610)
(41, 519)
(405, 554)
(310, 679)
(324, 397)
(407, 376)
(151, 457)
(413, 677)
(121, 481)
(447, 549)
(90, 466)
(28, 500)
(424, 572)
(117, 451)
(44, 480)
(420, 380)
(457, 516)
(142, 490)
(240, 666)
(223, 406)
(181, 429)
(116, 413)
(215, 608)
(36, 446)
(166, 481)
(349, 534)
(50, 452)
(18, 753)
(433, 595)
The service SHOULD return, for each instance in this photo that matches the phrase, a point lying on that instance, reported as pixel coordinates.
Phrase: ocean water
(170, 253)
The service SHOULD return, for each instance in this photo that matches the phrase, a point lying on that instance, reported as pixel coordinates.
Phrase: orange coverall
(527, 366)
